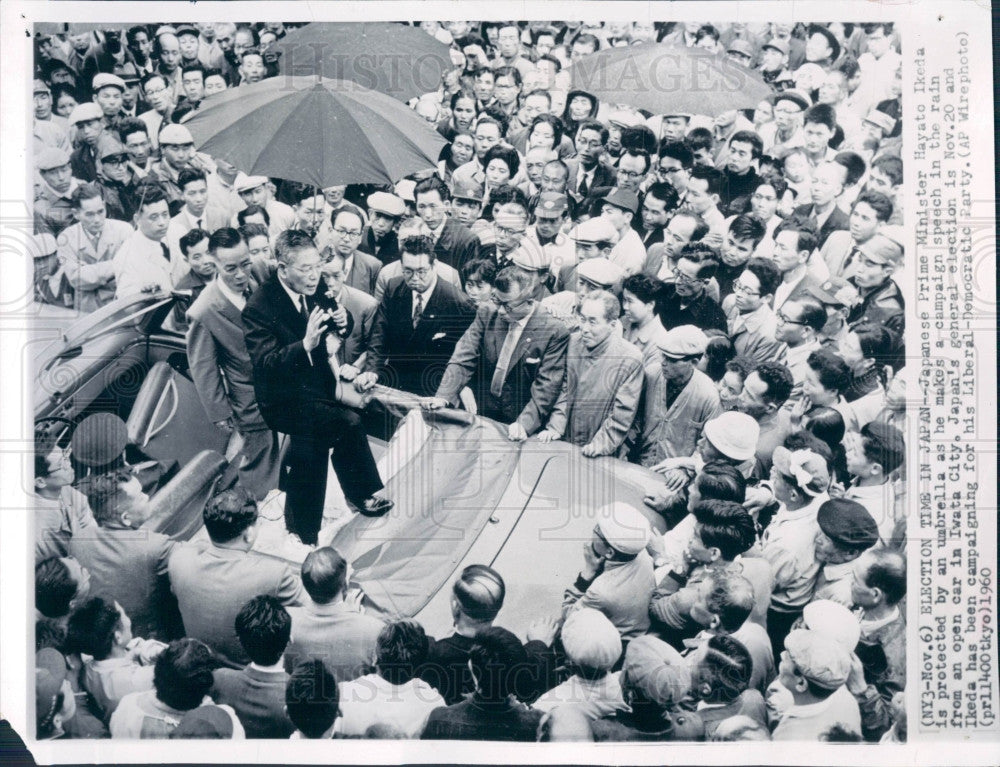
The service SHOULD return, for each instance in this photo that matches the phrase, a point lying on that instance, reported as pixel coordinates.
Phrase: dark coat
(836, 221)
(475, 719)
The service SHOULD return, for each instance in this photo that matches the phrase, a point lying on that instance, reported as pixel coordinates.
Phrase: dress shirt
(139, 262)
(788, 546)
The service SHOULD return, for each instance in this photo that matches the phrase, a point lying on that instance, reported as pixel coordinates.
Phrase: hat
(795, 96)
(389, 204)
(99, 439)
(175, 134)
(808, 469)
(831, 619)
(88, 110)
(165, 29)
(778, 45)
(127, 72)
(624, 527)
(820, 659)
(622, 199)
(830, 38)
(887, 441)
(51, 158)
(553, 203)
(590, 639)
(205, 722)
(104, 80)
(626, 118)
(244, 183)
(404, 190)
(656, 669)
(882, 250)
(40, 87)
(847, 523)
(594, 230)
(42, 245)
(468, 190)
(733, 434)
(600, 271)
(740, 45)
(187, 29)
(836, 291)
(884, 121)
(683, 342)
(529, 256)
(50, 673)
(109, 146)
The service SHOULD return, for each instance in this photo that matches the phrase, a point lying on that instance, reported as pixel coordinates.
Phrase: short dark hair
(749, 137)
(587, 39)
(712, 176)
(777, 183)
(183, 674)
(400, 651)
(92, 627)
(647, 289)
(639, 137)
(102, 493)
(878, 202)
(248, 232)
(324, 574)
(806, 440)
(874, 450)
(876, 341)
(54, 588)
(511, 72)
(479, 269)
(885, 26)
(731, 598)
(813, 313)
(831, 370)
(721, 481)
(228, 514)
(291, 241)
(418, 245)
(821, 114)
(479, 591)
(731, 666)
(252, 210)
(665, 193)
(506, 154)
(150, 194)
(853, 163)
(507, 194)
(891, 166)
(849, 66)
(312, 699)
(677, 150)
(189, 175)
(888, 574)
(194, 67)
(192, 238)
(702, 254)
(558, 127)
(149, 77)
(725, 525)
(497, 658)
(747, 226)
(226, 237)
(707, 30)
(88, 191)
(778, 379)
(808, 239)
(553, 59)
(827, 423)
(698, 139)
(511, 278)
(701, 227)
(346, 211)
(594, 125)
(641, 154)
(766, 273)
(129, 125)
(432, 184)
(263, 627)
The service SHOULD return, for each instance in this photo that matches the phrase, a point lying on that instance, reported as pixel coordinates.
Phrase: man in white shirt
(619, 207)
(255, 190)
(194, 215)
(799, 325)
(142, 263)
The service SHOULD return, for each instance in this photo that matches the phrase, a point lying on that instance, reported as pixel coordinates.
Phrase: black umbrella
(315, 131)
(397, 59)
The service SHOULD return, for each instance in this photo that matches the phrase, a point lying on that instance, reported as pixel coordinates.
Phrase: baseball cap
(600, 272)
(740, 46)
(884, 121)
(594, 230)
(127, 72)
(529, 255)
(590, 639)
(468, 190)
(186, 29)
(84, 112)
(50, 673)
(832, 619)
(626, 118)
(656, 669)
(175, 134)
(404, 190)
(830, 38)
(819, 659)
(683, 342)
(105, 80)
(795, 96)
(389, 204)
(778, 45)
(99, 439)
(881, 250)
(552, 203)
(109, 146)
(51, 158)
(808, 469)
(836, 291)
(244, 183)
(733, 434)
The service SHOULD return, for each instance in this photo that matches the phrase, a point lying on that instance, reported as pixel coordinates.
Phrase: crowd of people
(713, 297)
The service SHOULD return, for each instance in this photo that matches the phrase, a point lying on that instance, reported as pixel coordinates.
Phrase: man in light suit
(359, 305)
(220, 364)
(515, 352)
(294, 331)
(418, 323)
(361, 269)
(213, 579)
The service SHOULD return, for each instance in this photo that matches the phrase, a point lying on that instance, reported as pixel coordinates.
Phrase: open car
(463, 492)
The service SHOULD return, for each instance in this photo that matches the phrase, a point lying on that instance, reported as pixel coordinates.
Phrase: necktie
(198, 224)
(583, 189)
(247, 292)
(166, 251)
(303, 308)
(418, 308)
(503, 361)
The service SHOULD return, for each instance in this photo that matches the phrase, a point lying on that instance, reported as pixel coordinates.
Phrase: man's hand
(225, 425)
(348, 372)
(314, 329)
(591, 561)
(544, 630)
(856, 683)
(547, 435)
(365, 381)
(433, 403)
(667, 464)
(590, 450)
(660, 499)
(468, 400)
(799, 408)
(516, 432)
(676, 480)
(339, 317)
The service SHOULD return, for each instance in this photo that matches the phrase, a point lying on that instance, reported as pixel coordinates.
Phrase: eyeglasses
(506, 231)
(508, 304)
(681, 277)
(763, 197)
(786, 320)
(347, 232)
(307, 270)
(631, 174)
(117, 159)
(421, 272)
(744, 289)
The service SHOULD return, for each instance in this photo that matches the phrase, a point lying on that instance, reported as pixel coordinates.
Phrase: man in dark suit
(380, 238)
(291, 347)
(827, 185)
(454, 243)
(418, 323)
(361, 269)
(515, 352)
(589, 178)
(220, 365)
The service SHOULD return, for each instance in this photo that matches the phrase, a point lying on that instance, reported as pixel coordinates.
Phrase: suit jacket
(257, 697)
(605, 177)
(284, 375)
(364, 272)
(220, 364)
(212, 584)
(475, 719)
(361, 307)
(534, 376)
(386, 251)
(836, 221)
(345, 640)
(414, 358)
(456, 245)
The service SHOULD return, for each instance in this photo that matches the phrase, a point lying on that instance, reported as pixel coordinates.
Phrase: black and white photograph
(448, 377)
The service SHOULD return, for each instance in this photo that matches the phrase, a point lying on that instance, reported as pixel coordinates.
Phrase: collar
(157, 243)
(523, 322)
(292, 295)
(277, 668)
(645, 334)
(805, 513)
(869, 627)
(236, 299)
(331, 608)
(68, 194)
(838, 572)
(425, 295)
(600, 349)
(809, 710)
(865, 492)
